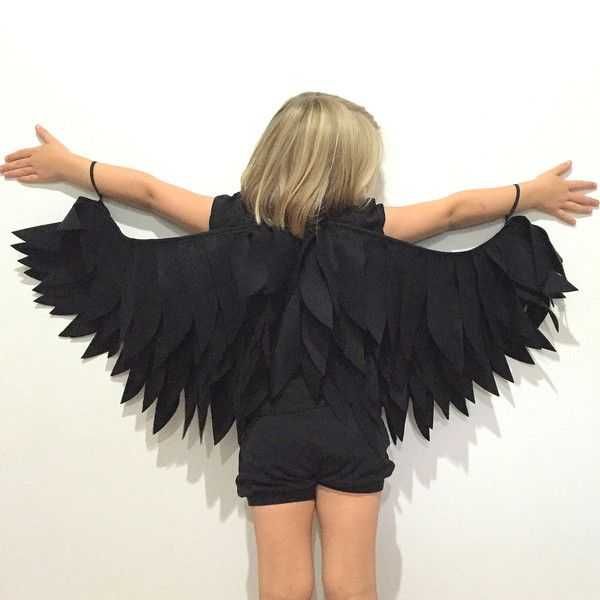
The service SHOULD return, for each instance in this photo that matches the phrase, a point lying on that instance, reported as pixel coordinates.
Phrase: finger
(15, 164)
(563, 216)
(25, 178)
(19, 172)
(561, 168)
(575, 185)
(577, 208)
(584, 200)
(19, 154)
(44, 134)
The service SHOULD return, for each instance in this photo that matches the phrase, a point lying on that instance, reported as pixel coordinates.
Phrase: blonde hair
(318, 155)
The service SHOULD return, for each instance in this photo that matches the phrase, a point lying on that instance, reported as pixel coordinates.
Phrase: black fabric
(228, 211)
(243, 314)
(283, 457)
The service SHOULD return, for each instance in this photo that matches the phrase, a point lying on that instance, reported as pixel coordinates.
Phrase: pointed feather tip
(460, 409)
(555, 283)
(20, 234)
(43, 300)
(20, 247)
(89, 353)
(34, 275)
(118, 368)
(547, 345)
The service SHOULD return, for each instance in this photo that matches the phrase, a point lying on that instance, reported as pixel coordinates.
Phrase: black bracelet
(92, 178)
(514, 203)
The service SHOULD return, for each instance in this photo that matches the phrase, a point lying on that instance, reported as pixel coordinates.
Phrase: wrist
(73, 168)
(529, 197)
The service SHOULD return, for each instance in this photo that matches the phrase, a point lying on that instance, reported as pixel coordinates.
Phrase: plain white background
(503, 504)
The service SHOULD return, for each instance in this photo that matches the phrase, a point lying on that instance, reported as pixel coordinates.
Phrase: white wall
(503, 504)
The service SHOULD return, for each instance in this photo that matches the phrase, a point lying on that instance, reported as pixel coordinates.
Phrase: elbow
(147, 194)
(452, 213)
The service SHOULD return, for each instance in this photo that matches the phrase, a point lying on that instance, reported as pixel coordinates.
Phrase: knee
(296, 591)
(347, 589)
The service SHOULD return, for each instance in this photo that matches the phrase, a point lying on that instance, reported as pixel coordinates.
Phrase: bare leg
(284, 548)
(348, 523)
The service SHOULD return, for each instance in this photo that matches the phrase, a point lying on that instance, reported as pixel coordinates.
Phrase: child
(298, 308)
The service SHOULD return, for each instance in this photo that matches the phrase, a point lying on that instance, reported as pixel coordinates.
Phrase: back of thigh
(348, 524)
(284, 548)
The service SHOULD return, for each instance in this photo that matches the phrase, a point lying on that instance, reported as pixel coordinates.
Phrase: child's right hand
(42, 164)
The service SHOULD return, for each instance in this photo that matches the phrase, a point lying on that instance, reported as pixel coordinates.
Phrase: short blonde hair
(319, 154)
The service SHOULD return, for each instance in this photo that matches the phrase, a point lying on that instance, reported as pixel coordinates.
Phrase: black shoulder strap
(370, 216)
(228, 211)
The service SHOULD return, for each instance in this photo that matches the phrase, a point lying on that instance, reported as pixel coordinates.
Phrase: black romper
(293, 442)
(301, 343)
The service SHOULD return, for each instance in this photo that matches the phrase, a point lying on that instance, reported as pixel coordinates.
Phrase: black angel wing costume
(235, 316)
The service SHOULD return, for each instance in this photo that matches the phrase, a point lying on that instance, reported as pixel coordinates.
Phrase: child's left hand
(42, 164)
(559, 197)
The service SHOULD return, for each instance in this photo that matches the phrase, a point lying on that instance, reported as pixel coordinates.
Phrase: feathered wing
(384, 322)
(230, 316)
(180, 311)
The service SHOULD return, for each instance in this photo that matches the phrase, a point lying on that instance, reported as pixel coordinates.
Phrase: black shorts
(283, 457)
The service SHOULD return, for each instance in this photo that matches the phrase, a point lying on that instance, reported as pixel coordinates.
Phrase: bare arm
(548, 192)
(461, 209)
(182, 206)
(124, 184)
(187, 208)
(52, 161)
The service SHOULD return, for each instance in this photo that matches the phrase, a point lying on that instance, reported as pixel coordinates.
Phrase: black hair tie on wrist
(514, 203)
(92, 178)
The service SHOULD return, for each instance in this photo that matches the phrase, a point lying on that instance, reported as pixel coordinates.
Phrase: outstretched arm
(52, 162)
(548, 192)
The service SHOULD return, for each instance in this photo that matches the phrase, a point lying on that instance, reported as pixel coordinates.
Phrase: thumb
(561, 168)
(45, 135)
